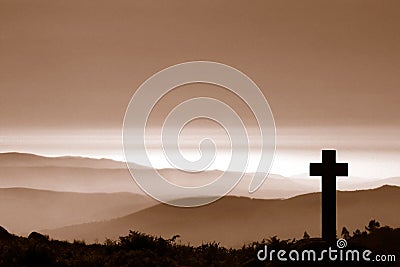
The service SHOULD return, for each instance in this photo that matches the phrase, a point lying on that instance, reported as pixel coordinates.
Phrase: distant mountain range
(234, 221)
(15, 159)
(88, 175)
(89, 204)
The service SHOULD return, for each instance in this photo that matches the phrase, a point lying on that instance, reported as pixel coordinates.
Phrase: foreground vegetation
(139, 249)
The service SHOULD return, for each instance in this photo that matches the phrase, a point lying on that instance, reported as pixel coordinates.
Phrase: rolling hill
(24, 210)
(234, 221)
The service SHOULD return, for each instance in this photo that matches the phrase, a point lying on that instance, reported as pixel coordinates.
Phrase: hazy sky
(75, 64)
(69, 68)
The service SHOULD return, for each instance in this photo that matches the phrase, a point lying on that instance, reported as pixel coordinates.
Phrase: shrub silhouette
(4, 234)
(138, 249)
(345, 233)
(306, 235)
(372, 226)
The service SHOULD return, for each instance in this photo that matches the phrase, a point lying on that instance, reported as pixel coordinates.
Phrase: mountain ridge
(24, 209)
(249, 219)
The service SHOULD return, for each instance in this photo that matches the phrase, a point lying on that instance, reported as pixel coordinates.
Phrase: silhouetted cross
(328, 170)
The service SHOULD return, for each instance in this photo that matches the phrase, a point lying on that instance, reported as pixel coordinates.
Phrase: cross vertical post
(329, 170)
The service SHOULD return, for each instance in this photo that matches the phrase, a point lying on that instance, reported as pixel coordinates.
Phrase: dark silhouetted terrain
(136, 249)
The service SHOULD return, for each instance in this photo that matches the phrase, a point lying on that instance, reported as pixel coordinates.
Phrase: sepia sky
(72, 66)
